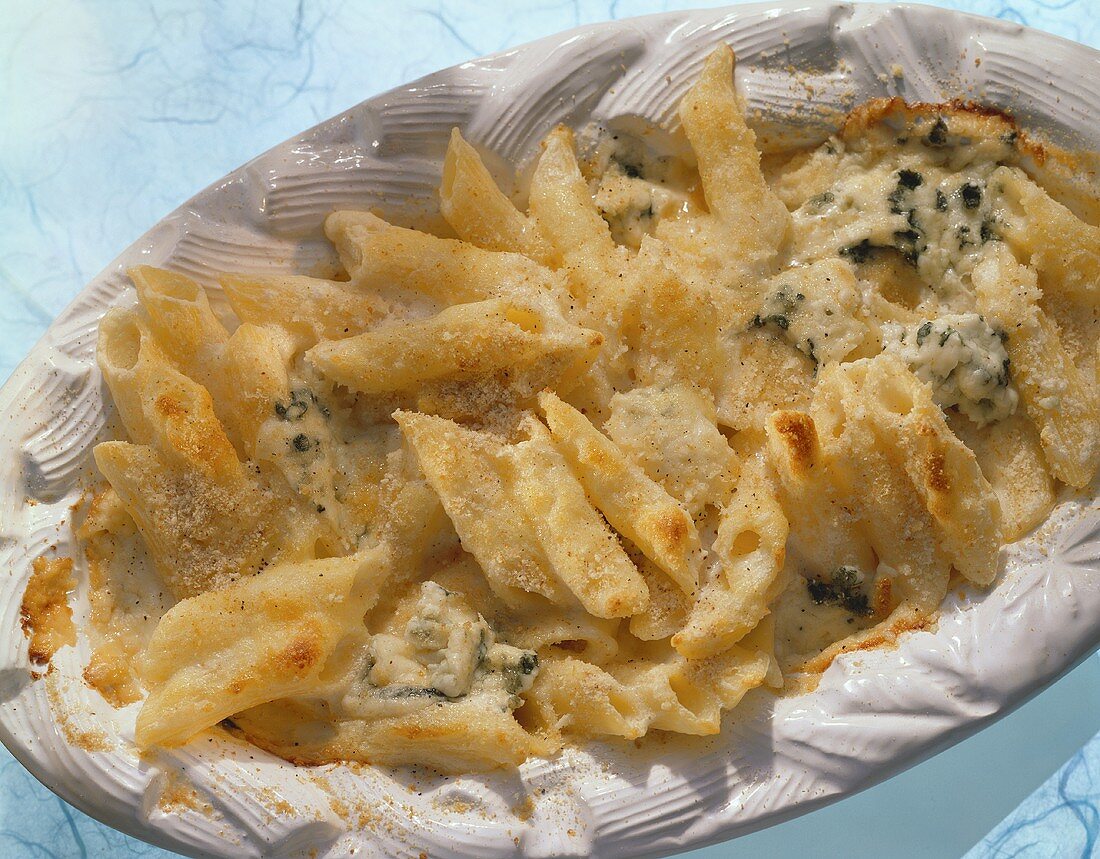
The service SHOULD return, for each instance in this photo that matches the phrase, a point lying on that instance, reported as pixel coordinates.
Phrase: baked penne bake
(675, 425)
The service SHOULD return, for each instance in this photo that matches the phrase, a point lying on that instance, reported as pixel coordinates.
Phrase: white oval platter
(872, 715)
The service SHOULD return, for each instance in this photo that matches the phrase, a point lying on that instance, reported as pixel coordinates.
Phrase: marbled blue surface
(1062, 818)
(113, 113)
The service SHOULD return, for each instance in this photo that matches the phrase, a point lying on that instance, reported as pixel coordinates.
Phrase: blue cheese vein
(964, 360)
(447, 651)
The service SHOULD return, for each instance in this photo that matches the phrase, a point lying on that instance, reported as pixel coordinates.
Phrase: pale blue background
(112, 114)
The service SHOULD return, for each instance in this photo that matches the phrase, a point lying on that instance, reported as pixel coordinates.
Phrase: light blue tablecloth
(112, 113)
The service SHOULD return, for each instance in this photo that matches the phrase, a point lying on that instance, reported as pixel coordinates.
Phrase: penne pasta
(306, 308)
(478, 210)
(637, 507)
(461, 343)
(1063, 403)
(258, 640)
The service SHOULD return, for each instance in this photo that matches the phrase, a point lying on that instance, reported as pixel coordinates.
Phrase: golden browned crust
(974, 120)
(109, 673)
(1068, 176)
(882, 597)
(935, 472)
(300, 655)
(44, 614)
(179, 795)
(572, 645)
(885, 634)
(671, 531)
(799, 435)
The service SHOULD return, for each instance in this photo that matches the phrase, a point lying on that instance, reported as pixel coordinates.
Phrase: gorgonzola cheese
(634, 187)
(671, 431)
(816, 308)
(936, 215)
(963, 359)
(447, 651)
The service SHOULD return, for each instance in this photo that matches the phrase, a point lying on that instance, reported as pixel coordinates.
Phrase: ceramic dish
(873, 714)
